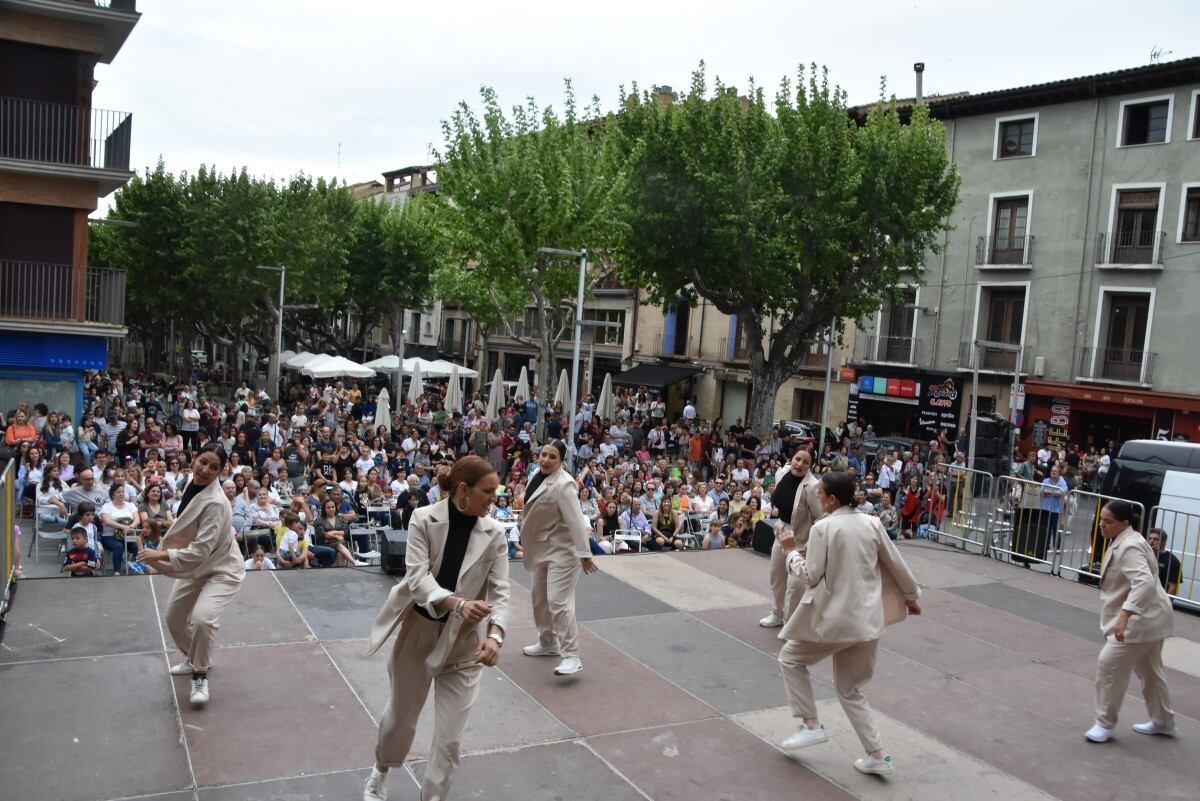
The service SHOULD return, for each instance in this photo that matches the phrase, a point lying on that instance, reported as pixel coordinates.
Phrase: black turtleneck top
(453, 552)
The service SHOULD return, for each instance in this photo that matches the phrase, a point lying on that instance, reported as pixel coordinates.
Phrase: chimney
(665, 95)
(919, 68)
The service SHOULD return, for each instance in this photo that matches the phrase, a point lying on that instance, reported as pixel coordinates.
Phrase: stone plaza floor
(985, 696)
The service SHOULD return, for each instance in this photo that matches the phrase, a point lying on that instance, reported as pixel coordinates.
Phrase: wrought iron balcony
(677, 349)
(61, 292)
(994, 360)
(1131, 247)
(1116, 364)
(885, 350)
(57, 133)
(1016, 251)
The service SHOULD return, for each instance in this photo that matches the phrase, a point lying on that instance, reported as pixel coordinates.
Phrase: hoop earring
(461, 507)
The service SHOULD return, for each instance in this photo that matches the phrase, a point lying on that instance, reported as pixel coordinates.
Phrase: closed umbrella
(495, 396)
(383, 409)
(605, 406)
(562, 395)
(454, 399)
(416, 387)
(523, 384)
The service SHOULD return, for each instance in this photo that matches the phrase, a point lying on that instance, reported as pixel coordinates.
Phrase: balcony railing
(39, 291)
(1019, 251)
(1130, 247)
(886, 350)
(679, 348)
(1116, 364)
(737, 352)
(56, 133)
(994, 359)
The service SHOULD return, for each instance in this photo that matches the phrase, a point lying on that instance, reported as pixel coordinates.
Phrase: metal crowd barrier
(1182, 540)
(969, 500)
(1085, 551)
(1025, 526)
(9, 509)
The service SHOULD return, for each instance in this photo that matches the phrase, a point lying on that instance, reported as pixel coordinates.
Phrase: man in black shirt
(294, 457)
(1170, 570)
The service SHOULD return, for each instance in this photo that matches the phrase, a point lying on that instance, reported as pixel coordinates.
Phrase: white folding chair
(630, 538)
(46, 531)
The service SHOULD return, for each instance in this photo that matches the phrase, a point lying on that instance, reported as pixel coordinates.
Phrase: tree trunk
(762, 400)
(235, 369)
(396, 332)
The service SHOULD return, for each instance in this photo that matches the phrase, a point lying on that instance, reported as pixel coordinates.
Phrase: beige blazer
(854, 578)
(200, 542)
(807, 508)
(1129, 580)
(552, 517)
(483, 577)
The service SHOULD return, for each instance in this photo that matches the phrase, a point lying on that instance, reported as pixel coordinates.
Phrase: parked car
(200, 358)
(872, 446)
(796, 433)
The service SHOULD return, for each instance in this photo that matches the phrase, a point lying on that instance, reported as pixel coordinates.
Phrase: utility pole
(273, 369)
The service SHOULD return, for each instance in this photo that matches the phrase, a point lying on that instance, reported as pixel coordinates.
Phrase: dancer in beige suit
(854, 583)
(201, 552)
(1136, 617)
(554, 536)
(794, 498)
(457, 577)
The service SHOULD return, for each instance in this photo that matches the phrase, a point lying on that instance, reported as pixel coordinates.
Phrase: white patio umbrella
(523, 383)
(299, 360)
(383, 410)
(562, 393)
(333, 366)
(606, 406)
(495, 396)
(384, 364)
(285, 355)
(416, 386)
(454, 398)
(440, 368)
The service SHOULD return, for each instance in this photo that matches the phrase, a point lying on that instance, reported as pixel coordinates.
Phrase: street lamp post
(582, 255)
(273, 369)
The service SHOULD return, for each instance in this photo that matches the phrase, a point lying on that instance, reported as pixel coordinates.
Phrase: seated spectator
(330, 531)
(910, 501)
(259, 560)
(149, 537)
(294, 546)
(154, 508)
(500, 510)
(606, 527)
(741, 531)
(714, 539)
(51, 508)
(81, 558)
(119, 519)
(862, 504)
(634, 520)
(887, 514)
(666, 527)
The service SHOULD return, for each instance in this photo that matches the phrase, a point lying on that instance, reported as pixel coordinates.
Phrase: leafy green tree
(509, 187)
(788, 215)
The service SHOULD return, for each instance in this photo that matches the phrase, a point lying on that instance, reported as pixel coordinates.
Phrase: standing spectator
(189, 425)
(1170, 570)
(1054, 493)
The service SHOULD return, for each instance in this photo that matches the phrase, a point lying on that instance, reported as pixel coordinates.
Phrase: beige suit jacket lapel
(549, 482)
(183, 530)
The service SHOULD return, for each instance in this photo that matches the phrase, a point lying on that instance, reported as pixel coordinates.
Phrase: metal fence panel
(1183, 542)
(1082, 531)
(969, 500)
(8, 544)
(1028, 524)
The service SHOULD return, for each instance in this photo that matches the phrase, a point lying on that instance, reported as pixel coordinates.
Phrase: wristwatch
(499, 638)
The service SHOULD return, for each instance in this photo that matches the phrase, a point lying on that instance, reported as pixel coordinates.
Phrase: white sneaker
(199, 690)
(771, 621)
(804, 737)
(870, 764)
(537, 649)
(1154, 728)
(368, 555)
(361, 564)
(1098, 734)
(376, 789)
(183, 668)
(569, 666)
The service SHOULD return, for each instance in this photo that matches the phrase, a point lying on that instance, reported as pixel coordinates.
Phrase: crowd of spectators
(305, 470)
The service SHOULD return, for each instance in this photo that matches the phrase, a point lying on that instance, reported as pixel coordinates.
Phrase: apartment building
(1076, 247)
(58, 156)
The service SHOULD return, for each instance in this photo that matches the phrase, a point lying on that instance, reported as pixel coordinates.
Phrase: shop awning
(654, 376)
(1117, 396)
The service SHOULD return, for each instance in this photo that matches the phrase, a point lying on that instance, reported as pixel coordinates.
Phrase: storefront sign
(847, 374)
(940, 402)
(1060, 423)
(852, 405)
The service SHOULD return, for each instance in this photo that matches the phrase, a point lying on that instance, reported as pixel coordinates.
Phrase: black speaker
(990, 446)
(392, 547)
(763, 537)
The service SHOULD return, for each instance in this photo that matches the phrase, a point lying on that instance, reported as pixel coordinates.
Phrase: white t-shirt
(124, 516)
(289, 542)
(267, 564)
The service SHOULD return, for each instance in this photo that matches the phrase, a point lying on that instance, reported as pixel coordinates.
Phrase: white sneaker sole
(541, 653)
(558, 672)
(874, 771)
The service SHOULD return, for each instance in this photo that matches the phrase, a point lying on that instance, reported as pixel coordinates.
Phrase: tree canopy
(787, 214)
(510, 186)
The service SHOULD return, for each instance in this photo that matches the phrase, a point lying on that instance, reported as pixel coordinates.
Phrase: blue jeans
(117, 547)
(326, 556)
(87, 450)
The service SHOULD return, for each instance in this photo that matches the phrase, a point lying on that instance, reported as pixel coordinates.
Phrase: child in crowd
(80, 559)
(259, 560)
(293, 543)
(714, 538)
(85, 518)
(149, 537)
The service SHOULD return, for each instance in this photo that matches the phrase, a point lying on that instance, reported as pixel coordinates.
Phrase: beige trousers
(552, 578)
(456, 685)
(193, 613)
(1117, 661)
(853, 666)
(783, 591)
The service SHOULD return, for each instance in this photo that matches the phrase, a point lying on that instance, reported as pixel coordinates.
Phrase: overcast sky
(276, 85)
